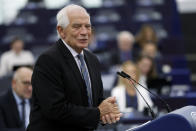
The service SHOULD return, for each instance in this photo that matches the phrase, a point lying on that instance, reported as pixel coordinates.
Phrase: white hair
(126, 34)
(19, 71)
(62, 18)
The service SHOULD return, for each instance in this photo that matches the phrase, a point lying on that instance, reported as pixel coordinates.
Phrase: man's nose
(84, 30)
(30, 87)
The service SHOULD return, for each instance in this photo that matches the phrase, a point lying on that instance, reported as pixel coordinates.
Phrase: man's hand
(109, 112)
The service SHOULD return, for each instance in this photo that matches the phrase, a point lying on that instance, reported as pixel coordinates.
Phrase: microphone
(125, 75)
(122, 75)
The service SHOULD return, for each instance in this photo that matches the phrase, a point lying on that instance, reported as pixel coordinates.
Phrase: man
(15, 57)
(14, 104)
(125, 41)
(125, 51)
(67, 86)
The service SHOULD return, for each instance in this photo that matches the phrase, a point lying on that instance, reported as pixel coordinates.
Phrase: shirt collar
(17, 98)
(73, 52)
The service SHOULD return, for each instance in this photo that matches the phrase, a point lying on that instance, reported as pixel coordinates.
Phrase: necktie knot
(81, 58)
(23, 102)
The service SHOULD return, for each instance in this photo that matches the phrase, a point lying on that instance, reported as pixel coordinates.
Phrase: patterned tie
(86, 78)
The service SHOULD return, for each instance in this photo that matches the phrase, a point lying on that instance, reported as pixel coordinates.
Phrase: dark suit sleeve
(3, 126)
(49, 92)
(2, 121)
(98, 67)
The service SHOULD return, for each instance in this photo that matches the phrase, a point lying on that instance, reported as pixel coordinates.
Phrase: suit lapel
(12, 105)
(69, 59)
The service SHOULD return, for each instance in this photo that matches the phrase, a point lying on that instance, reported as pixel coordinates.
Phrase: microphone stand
(163, 101)
(125, 75)
(151, 112)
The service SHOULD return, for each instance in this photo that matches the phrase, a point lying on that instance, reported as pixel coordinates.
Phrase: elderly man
(14, 104)
(125, 41)
(67, 86)
(125, 50)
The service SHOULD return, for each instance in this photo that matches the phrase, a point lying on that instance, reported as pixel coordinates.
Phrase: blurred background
(167, 25)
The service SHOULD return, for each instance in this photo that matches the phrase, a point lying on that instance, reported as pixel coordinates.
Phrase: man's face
(125, 43)
(78, 33)
(22, 85)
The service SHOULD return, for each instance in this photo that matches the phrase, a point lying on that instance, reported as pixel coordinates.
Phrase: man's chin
(27, 96)
(83, 45)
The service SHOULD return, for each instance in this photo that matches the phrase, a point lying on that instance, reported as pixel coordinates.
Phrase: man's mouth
(83, 40)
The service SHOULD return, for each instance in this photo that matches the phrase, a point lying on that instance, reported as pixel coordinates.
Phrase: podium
(183, 119)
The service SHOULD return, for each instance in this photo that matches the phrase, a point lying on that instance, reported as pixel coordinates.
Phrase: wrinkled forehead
(77, 13)
(26, 76)
(23, 74)
(75, 8)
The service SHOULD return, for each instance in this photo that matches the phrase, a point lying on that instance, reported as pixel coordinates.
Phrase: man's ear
(13, 83)
(60, 31)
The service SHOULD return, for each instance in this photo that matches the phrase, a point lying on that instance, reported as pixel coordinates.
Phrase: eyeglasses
(26, 83)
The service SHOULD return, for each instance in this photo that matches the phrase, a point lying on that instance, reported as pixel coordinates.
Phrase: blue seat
(179, 62)
(5, 84)
(180, 76)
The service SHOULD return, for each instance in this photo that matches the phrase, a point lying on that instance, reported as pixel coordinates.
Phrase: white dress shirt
(19, 106)
(10, 59)
(75, 55)
(145, 93)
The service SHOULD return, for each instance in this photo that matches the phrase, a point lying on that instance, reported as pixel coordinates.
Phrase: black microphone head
(122, 75)
(125, 74)
(118, 73)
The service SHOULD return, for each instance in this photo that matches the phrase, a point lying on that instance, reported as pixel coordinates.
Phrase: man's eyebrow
(76, 25)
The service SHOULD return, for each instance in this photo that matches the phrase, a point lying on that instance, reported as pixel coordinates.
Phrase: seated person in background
(15, 104)
(146, 34)
(150, 49)
(126, 95)
(149, 77)
(146, 68)
(125, 52)
(16, 56)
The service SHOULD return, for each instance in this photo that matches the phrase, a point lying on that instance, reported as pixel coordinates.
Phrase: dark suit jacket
(9, 115)
(116, 56)
(60, 101)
